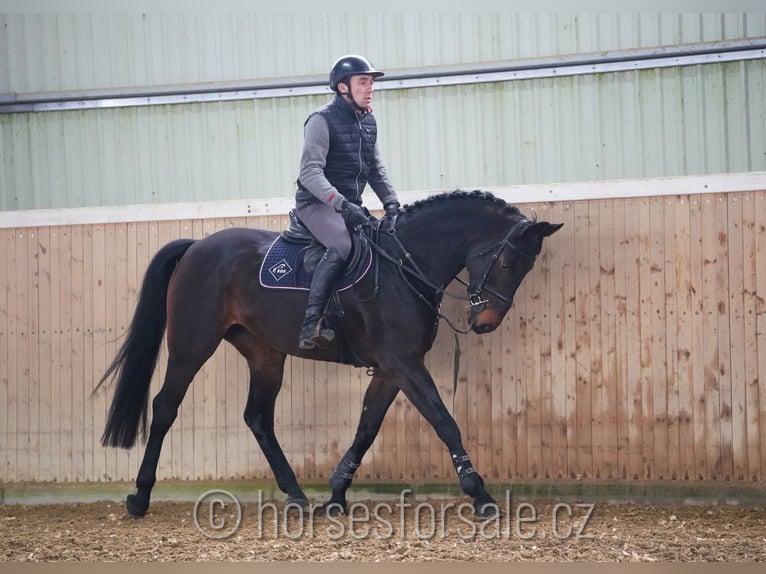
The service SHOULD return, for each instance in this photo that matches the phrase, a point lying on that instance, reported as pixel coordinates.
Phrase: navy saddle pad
(282, 268)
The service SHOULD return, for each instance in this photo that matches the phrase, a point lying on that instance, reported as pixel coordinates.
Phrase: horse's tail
(137, 357)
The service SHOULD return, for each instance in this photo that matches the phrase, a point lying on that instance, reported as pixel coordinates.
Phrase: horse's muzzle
(486, 321)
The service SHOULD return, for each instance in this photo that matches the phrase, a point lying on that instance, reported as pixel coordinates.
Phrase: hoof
(296, 502)
(331, 509)
(134, 507)
(486, 511)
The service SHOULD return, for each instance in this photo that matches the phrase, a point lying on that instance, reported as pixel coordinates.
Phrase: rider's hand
(353, 214)
(391, 208)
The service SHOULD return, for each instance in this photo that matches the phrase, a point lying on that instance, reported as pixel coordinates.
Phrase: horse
(198, 293)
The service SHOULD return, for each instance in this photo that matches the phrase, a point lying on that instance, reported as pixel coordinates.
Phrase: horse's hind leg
(377, 400)
(165, 405)
(266, 372)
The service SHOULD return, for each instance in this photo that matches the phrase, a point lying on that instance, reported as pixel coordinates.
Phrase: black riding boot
(327, 271)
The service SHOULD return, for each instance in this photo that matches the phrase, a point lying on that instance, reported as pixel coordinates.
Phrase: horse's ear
(543, 228)
(551, 228)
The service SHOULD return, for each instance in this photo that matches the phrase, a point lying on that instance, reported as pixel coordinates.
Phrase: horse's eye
(504, 266)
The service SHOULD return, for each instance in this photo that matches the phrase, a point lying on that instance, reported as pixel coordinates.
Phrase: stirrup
(319, 338)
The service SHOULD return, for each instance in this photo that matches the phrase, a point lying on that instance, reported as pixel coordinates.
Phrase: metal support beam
(580, 64)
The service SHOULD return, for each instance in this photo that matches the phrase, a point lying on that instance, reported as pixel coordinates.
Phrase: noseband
(475, 299)
(475, 293)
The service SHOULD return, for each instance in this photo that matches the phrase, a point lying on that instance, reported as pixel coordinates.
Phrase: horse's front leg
(419, 387)
(377, 399)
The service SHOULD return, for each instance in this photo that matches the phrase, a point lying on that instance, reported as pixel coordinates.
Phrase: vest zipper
(356, 180)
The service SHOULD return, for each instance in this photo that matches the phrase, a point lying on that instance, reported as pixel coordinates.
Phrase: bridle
(475, 293)
(407, 266)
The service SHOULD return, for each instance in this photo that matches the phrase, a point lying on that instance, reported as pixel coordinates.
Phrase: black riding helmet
(348, 66)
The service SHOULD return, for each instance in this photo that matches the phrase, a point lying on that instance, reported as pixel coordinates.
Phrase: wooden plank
(710, 301)
(68, 415)
(583, 326)
(510, 411)
(482, 398)
(12, 355)
(521, 351)
(309, 428)
(633, 341)
(43, 350)
(750, 258)
(110, 322)
(496, 469)
(760, 310)
(439, 362)
(7, 353)
(89, 376)
(339, 416)
(737, 341)
(670, 267)
(611, 372)
(569, 313)
(128, 460)
(646, 312)
(23, 384)
(684, 288)
(620, 381)
(534, 376)
(5, 338)
(297, 414)
(698, 320)
(80, 389)
(322, 405)
(55, 350)
(557, 295)
(596, 322)
(100, 359)
(549, 423)
(35, 399)
(659, 363)
(724, 339)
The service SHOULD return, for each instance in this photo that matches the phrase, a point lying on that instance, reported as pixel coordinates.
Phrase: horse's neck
(437, 245)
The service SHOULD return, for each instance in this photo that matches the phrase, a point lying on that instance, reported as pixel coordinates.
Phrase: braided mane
(461, 195)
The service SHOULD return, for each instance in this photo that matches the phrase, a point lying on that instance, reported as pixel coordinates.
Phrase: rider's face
(362, 87)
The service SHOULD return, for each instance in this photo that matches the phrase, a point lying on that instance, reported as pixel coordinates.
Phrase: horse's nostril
(482, 329)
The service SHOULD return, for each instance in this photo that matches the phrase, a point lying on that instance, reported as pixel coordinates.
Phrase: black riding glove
(391, 208)
(353, 214)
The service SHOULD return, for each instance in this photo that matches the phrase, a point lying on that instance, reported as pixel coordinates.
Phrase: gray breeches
(326, 225)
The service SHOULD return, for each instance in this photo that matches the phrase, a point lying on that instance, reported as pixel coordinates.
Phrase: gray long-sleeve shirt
(316, 145)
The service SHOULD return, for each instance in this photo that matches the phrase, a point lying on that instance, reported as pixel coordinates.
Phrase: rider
(340, 156)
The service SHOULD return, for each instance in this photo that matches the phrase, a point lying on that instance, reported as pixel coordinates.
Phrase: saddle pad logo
(280, 270)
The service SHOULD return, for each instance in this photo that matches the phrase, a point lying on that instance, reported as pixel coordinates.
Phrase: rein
(474, 297)
(406, 265)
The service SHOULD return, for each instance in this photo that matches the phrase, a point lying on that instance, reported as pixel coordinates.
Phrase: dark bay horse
(208, 290)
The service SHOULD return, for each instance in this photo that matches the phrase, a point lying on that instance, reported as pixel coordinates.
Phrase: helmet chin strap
(348, 96)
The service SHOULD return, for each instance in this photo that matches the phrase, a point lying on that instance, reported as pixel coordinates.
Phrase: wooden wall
(636, 349)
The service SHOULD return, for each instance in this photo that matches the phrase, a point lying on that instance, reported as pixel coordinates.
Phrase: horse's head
(497, 267)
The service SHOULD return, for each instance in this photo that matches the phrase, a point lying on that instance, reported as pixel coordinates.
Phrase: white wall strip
(579, 64)
(516, 194)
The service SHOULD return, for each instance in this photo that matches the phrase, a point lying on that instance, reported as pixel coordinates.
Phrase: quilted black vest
(352, 148)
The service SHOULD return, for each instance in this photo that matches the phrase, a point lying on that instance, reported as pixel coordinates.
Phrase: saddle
(297, 232)
(291, 260)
